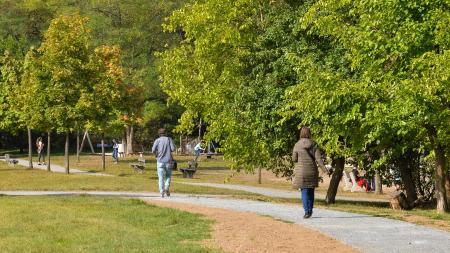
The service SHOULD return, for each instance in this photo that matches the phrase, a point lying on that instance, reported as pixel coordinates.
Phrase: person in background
(40, 150)
(163, 148)
(115, 153)
(198, 149)
(307, 156)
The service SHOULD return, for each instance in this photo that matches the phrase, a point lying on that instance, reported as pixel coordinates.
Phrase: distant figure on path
(163, 148)
(40, 150)
(115, 153)
(307, 155)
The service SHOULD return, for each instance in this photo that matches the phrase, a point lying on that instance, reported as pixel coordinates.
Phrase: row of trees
(133, 26)
(64, 85)
(370, 77)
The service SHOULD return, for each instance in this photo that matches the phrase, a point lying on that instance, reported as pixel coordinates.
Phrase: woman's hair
(305, 132)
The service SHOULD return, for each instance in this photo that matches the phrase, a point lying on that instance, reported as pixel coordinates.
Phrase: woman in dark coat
(307, 156)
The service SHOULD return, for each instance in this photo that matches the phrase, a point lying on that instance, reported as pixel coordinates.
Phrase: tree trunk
(30, 150)
(66, 154)
(259, 175)
(124, 142)
(440, 177)
(48, 150)
(447, 187)
(103, 152)
(407, 177)
(200, 130)
(378, 183)
(78, 145)
(335, 179)
(130, 136)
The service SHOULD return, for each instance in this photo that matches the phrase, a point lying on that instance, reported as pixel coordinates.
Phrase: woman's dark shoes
(307, 215)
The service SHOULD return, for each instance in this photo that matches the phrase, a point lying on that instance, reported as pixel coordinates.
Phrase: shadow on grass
(211, 168)
(355, 202)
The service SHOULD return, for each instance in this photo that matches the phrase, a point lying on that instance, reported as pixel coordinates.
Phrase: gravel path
(280, 193)
(57, 168)
(366, 233)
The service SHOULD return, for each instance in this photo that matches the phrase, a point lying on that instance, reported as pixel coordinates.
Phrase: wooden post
(181, 145)
(66, 153)
(30, 150)
(259, 175)
(103, 152)
(78, 145)
(200, 130)
(48, 149)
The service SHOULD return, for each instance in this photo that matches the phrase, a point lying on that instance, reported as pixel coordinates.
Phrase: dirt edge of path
(235, 231)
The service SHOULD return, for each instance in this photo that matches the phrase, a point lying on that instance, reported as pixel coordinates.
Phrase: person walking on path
(115, 153)
(40, 150)
(163, 148)
(307, 156)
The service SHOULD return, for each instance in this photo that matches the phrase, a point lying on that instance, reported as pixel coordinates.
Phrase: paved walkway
(57, 168)
(366, 233)
(280, 193)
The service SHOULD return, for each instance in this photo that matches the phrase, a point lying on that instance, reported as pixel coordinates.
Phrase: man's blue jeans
(308, 199)
(164, 176)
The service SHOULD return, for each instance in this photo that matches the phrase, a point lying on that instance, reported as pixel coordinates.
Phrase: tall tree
(65, 57)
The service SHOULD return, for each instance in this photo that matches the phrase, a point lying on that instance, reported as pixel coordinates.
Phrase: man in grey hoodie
(163, 148)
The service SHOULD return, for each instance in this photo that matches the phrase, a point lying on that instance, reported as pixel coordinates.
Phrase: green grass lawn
(91, 224)
(214, 170)
(19, 178)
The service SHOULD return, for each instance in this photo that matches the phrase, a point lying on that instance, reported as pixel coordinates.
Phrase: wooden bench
(190, 171)
(10, 161)
(139, 168)
(140, 165)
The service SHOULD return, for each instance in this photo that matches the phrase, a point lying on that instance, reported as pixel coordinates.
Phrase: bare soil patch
(247, 232)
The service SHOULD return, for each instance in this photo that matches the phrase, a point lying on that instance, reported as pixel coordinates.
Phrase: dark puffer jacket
(306, 154)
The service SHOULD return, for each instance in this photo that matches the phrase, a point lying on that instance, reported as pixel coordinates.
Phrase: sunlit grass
(90, 224)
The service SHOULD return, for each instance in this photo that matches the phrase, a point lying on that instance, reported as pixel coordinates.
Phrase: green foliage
(133, 26)
(369, 77)
(10, 78)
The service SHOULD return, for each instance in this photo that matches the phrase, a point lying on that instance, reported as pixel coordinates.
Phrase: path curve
(363, 232)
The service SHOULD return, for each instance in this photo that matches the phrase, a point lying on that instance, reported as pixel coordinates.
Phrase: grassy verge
(89, 224)
(19, 178)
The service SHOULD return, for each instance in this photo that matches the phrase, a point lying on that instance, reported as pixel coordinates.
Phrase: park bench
(190, 171)
(10, 161)
(140, 165)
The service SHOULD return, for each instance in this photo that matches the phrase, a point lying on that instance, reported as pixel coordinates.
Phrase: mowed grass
(91, 224)
(210, 170)
(20, 178)
(214, 170)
